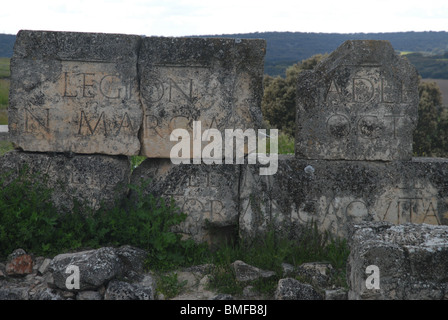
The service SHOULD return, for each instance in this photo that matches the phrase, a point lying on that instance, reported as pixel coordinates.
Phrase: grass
(4, 89)
(270, 251)
(285, 144)
(4, 100)
(4, 68)
(5, 146)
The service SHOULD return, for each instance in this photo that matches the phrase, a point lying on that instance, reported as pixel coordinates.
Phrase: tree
(430, 135)
(279, 98)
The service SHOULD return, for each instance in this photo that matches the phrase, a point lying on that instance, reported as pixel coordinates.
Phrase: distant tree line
(430, 66)
(430, 136)
(286, 48)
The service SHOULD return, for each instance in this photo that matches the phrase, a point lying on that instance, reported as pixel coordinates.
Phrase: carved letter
(125, 123)
(363, 90)
(87, 93)
(91, 130)
(111, 83)
(31, 120)
(66, 83)
(188, 96)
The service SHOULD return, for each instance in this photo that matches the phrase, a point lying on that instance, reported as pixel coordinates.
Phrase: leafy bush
(29, 220)
(27, 215)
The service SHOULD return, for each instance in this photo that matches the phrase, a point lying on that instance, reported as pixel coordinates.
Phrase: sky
(211, 17)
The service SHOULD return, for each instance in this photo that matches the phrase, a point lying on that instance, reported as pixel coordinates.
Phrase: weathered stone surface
(132, 261)
(194, 281)
(20, 293)
(336, 194)
(412, 261)
(89, 295)
(208, 194)
(19, 263)
(44, 266)
(316, 274)
(89, 179)
(292, 289)
(245, 272)
(96, 267)
(358, 104)
(336, 294)
(75, 92)
(120, 290)
(216, 81)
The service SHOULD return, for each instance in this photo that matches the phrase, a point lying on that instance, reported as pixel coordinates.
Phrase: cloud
(196, 17)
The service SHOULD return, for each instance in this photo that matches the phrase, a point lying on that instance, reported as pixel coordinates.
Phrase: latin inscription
(364, 126)
(365, 90)
(35, 123)
(97, 85)
(412, 209)
(90, 125)
(193, 194)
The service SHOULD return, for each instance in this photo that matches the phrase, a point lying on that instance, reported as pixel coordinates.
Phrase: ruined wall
(82, 103)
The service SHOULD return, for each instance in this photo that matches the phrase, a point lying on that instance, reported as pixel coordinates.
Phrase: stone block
(358, 104)
(96, 268)
(411, 261)
(292, 289)
(208, 194)
(245, 272)
(336, 194)
(19, 263)
(216, 81)
(75, 92)
(88, 179)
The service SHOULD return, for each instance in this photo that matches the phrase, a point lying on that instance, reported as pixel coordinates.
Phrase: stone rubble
(106, 274)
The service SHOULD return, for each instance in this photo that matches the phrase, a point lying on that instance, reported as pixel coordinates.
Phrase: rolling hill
(287, 48)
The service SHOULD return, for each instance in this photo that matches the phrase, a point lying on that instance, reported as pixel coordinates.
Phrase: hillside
(6, 45)
(287, 48)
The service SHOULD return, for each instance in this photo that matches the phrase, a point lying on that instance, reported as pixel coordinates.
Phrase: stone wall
(82, 103)
(409, 262)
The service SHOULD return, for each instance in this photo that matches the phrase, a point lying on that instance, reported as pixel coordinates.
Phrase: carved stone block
(358, 104)
(75, 92)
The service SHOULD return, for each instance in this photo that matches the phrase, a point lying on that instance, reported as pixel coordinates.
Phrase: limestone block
(89, 179)
(216, 81)
(75, 92)
(336, 194)
(292, 289)
(411, 261)
(96, 268)
(358, 104)
(208, 194)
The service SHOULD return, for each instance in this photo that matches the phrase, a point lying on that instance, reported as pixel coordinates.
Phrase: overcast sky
(210, 17)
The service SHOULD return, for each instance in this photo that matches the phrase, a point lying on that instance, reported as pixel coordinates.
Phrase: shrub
(29, 220)
(27, 215)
